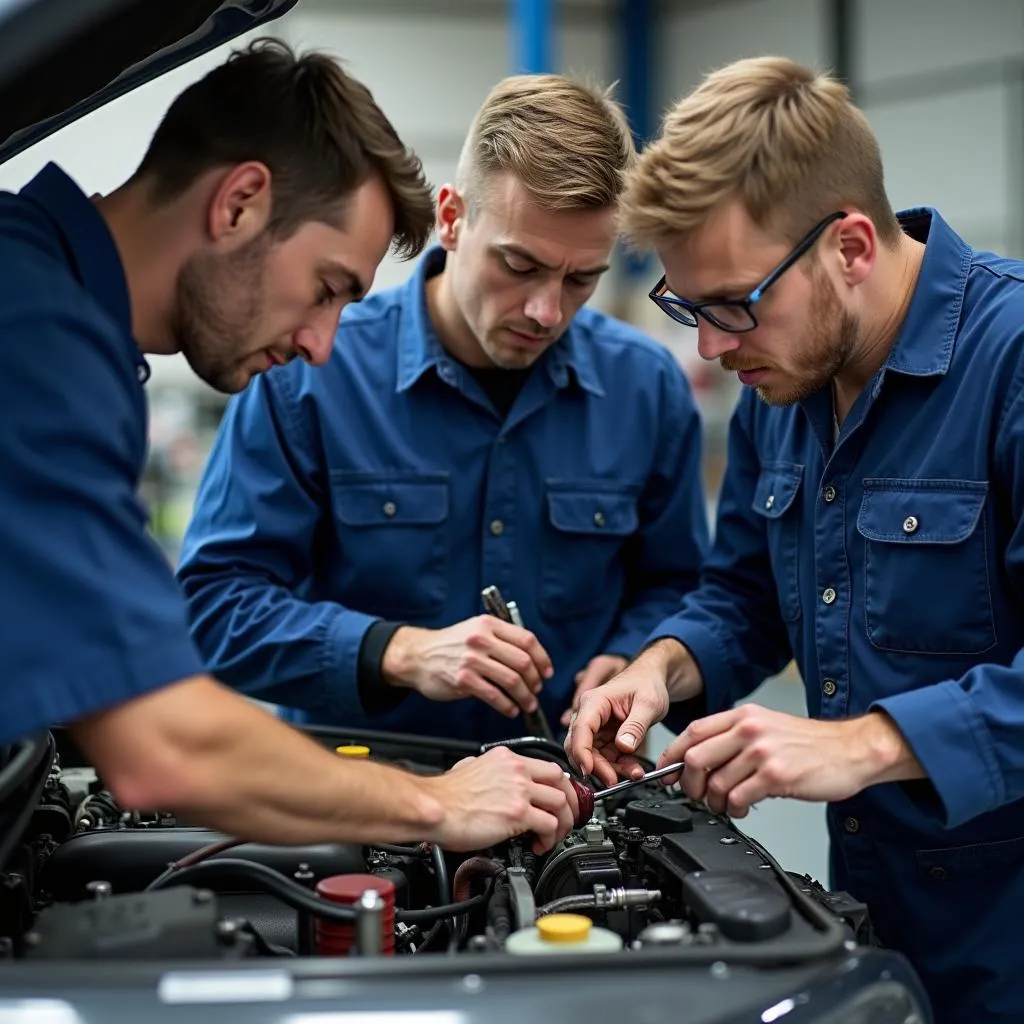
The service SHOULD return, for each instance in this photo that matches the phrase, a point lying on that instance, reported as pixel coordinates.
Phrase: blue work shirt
(385, 487)
(891, 566)
(91, 613)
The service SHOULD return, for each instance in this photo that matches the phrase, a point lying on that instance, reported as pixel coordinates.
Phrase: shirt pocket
(926, 577)
(777, 487)
(392, 531)
(587, 524)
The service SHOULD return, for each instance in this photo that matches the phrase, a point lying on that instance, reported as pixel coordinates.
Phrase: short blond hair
(782, 138)
(565, 139)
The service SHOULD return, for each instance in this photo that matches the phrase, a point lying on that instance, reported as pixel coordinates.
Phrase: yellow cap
(564, 928)
(353, 751)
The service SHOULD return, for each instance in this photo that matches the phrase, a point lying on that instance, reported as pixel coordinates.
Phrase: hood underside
(60, 59)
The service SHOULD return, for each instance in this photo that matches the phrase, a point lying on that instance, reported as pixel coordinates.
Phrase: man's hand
(738, 757)
(482, 657)
(498, 795)
(598, 671)
(613, 719)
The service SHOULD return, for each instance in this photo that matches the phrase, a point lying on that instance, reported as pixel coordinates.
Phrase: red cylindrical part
(336, 939)
(585, 798)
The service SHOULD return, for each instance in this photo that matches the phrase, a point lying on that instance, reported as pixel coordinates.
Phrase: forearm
(202, 751)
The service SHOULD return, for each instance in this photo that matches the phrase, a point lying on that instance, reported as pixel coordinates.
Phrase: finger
(604, 767)
(527, 642)
(720, 783)
(476, 686)
(506, 679)
(712, 753)
(514, 659)
(745, 795)
(544, 826)
(566, 716)
(579, 743)
(555, 801)
(593, 676)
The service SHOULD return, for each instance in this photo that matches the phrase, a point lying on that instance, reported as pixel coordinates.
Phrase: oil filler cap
(564, 928)
(353, 750)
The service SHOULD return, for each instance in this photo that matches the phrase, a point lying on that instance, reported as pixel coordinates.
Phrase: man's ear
(240, 206)
(451, 216)
(858, 247)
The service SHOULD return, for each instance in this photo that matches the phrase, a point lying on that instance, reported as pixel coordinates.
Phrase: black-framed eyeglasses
(735, 315)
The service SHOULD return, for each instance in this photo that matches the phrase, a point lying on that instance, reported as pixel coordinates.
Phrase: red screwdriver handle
(585, 798)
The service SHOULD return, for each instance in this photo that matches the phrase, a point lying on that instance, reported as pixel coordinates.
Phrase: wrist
(398, 662)
(677, 666)
(882, 753)
(432, 808)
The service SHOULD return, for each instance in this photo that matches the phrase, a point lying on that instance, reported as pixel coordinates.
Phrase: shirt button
(828, 687)
(142, 373)
(851, 825)
(829, 596)
(389, 508)
(910, 524)
(938, 873)
(769, 501)
(829, 493)
(497, 527)
(599, 518)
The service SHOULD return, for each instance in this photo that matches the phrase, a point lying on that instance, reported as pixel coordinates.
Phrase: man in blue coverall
(475, 426)
(268, 196)
(871, 522)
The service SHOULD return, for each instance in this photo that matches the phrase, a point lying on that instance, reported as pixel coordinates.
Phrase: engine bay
(82, 879)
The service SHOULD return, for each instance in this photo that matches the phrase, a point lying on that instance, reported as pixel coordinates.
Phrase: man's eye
(518, 271)
(326, 295)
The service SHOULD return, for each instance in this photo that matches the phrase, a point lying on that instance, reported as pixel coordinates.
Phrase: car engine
(82, 879)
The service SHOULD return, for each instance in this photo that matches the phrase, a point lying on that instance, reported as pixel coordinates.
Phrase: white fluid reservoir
(556, 934)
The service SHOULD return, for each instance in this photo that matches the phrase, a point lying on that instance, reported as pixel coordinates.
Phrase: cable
(295, 895)
(36, 754)
(26, 757)
(420, 850)
(435, 913)
(195, 857)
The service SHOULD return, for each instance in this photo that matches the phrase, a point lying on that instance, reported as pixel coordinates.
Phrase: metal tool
(535, 721)
(587, 796)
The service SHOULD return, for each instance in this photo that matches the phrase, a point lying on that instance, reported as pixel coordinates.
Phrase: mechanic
(475, 426)
(268, 196)
(871, 521)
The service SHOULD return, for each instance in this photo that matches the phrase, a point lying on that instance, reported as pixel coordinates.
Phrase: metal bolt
(201, 896)
(728, 840)
(227, 931)
(32, 938)
(719, 971)
(473, 982)
(652, 842)
(99, 890)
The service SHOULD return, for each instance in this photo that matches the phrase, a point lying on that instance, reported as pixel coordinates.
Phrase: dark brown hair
(316, 128)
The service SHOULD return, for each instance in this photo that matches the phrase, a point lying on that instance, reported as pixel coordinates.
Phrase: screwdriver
(587, 796)
(535, 721)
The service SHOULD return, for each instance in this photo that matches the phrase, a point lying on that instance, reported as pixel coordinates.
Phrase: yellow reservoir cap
(353, 751)
(564, 928)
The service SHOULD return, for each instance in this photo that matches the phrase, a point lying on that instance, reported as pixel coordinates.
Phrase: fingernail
(548, 672)
(532, 707)
(628, 739)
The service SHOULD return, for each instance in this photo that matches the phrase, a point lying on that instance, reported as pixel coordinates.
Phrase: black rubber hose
(298, 896)
(448, 910)
(34, 755)
(295, 895)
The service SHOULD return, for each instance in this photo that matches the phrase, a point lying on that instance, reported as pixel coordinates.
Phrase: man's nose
(315, 342)
(544, 306)
(713, 342)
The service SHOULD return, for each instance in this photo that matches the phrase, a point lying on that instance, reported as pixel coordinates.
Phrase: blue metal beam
(636, 60)
(533, 24)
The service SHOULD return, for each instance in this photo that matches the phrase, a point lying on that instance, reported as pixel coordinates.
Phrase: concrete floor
(792, 831)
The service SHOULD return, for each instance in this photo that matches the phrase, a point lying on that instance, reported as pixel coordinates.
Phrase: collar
(420, 348)
(88, 243)
(924, 345)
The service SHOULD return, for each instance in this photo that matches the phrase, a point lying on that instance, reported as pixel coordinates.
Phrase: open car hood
(60, 59)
